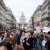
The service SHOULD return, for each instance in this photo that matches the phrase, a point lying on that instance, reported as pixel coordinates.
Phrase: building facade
(2, 14)
(11, 20)
(31, 22)
(46, 13)
(37, 19)
(22, 21)
(6, 16)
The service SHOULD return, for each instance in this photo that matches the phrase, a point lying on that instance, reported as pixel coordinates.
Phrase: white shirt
(43, 42)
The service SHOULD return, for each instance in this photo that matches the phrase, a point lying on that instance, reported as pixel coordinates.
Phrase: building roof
(2, 4)
(22, 17)
(44, 2)
(38, 9)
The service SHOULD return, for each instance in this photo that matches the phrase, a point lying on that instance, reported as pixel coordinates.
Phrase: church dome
(22, 18)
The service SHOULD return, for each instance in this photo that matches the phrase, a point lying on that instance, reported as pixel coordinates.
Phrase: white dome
(22, 18)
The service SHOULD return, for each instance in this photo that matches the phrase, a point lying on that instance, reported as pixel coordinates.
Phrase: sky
(26, 6)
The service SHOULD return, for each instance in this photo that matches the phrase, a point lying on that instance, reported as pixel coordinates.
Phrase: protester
(48, 40)
(19, 46)
(5, 45)
(20, 39)
(28, 41)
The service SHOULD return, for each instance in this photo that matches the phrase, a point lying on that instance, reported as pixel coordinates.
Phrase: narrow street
(24, 24)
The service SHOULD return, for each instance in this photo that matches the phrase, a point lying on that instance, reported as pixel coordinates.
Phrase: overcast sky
(26, 6)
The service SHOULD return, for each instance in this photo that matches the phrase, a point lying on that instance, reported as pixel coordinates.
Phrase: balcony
(43, 13)
(46, 18)
(43, 19)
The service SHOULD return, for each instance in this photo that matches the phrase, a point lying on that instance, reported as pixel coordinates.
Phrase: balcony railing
(43, 19)
(46, 18)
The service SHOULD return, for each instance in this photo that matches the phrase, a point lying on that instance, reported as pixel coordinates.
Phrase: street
(24, 24)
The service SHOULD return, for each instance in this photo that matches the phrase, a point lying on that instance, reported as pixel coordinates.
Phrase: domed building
(22, 21)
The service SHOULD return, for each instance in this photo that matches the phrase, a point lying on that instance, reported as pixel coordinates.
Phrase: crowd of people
(18, 39)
